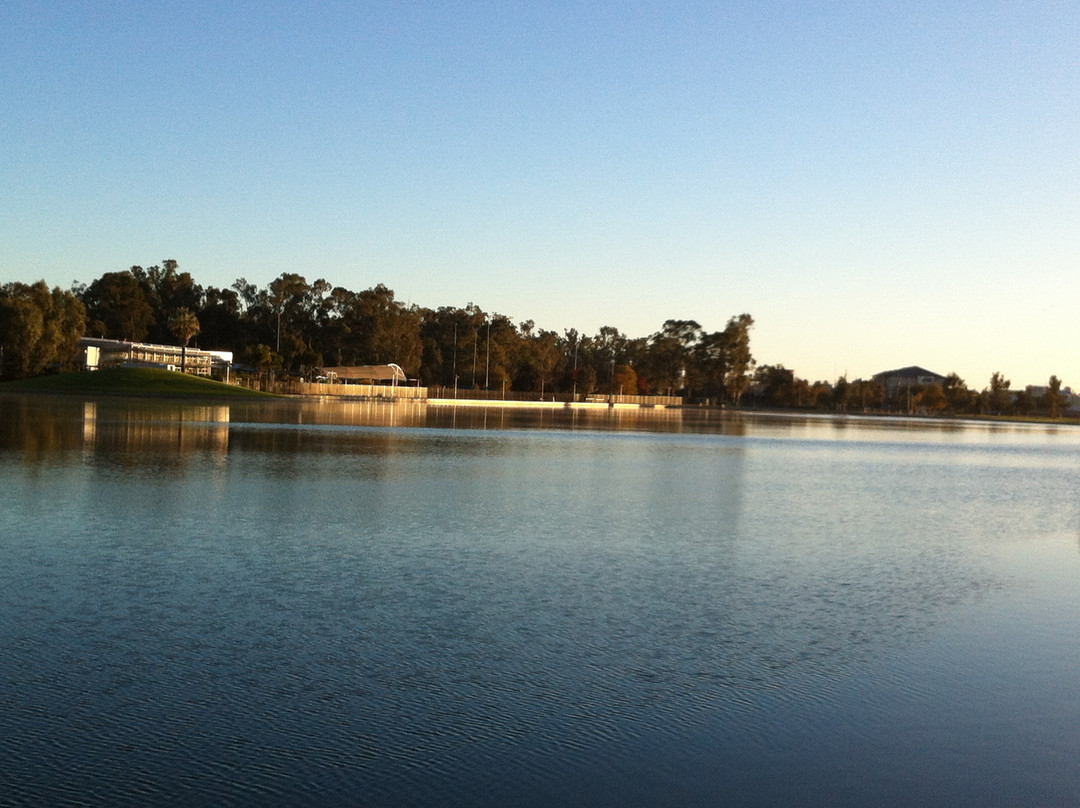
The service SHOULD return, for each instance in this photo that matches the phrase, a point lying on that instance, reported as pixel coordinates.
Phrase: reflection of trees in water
(38, 427)
(118, 432)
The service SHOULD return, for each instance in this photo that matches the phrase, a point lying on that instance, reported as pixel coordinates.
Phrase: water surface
(363, 604)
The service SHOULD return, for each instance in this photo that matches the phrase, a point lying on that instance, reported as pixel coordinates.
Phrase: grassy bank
(129, 382)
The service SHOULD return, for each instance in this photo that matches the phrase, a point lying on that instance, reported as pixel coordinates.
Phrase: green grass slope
(129, 382)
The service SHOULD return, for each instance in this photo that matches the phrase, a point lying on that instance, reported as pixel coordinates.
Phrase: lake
(295, 603)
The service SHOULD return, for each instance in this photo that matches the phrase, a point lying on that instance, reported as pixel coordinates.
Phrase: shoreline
(162, 386)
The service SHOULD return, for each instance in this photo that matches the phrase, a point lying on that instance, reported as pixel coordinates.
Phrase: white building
(106, 353)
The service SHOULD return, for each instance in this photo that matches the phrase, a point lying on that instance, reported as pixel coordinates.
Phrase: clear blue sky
(878, 184)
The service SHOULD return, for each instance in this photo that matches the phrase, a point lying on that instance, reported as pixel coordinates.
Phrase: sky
(877, 184)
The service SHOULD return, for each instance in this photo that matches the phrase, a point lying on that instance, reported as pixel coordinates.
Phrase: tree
(775, 385)
(538, 358)
(959, 398)
(1053, 398)
(261, 357)
(669, 361)
(626, 379)
(370, 327)
(608, 346)
(38, 328)
(221, 319)
(285, 298)
(931, 399)
(866, 394)
(1024, 401)
(841, 394)
(998, 398)
(166, 290)
(184, 325)
(739, 360)
(117, 307)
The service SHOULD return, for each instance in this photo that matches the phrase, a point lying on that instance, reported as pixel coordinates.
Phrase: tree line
(777, 387)
(293, 326)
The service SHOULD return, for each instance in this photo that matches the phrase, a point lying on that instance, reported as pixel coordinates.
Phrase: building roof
(374, 372)
(910, 372)
(119, 345)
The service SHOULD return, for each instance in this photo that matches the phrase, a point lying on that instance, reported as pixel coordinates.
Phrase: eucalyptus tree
(1053, 399)
(669, 361)
(117, 307)
(502, 343)
(866, 394)
(1024, 402)
(775, 386)
(740, 362)
(285, 299)
(285, 313)
(332, 326)
(932, 399)
(438, 335)
(262, 358)
(625, 382)
(607, 348)
(387, 331)
(841, 390)
(39, 327)
(166, 290)
(450, 340)
(247, 293)
(710, 359)
(958, 397)
(998, 399)
(368, 327)
(222, 320)
(539, 359)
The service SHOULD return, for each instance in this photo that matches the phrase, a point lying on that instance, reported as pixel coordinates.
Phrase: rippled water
(365, 604)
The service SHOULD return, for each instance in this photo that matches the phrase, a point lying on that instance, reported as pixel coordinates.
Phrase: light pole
(577, 339)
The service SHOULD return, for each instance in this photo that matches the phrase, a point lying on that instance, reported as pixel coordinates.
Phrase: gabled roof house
(903, 379)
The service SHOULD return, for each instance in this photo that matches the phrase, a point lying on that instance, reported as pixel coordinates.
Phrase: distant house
(901, 381)
(102, 353)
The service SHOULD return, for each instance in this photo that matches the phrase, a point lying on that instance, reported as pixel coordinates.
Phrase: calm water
(359, 604)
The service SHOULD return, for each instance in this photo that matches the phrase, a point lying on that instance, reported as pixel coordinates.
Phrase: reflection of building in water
(361, 413)
(104, 353)
(89, 421)
(179, 433)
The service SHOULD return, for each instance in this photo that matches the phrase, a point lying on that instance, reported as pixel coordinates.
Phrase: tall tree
(117, 307)
(286, 298)
(959, 398)
(167, 289)
(222, 321)
(999, 397)
(39, 327)
(668, 363)
(1053, 398)
(739, 359)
